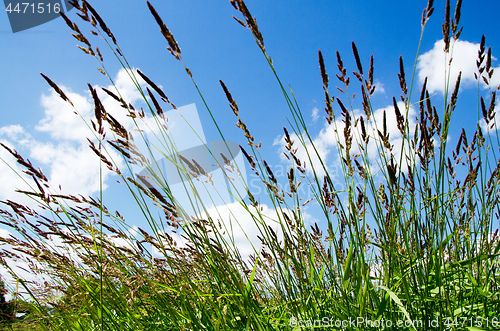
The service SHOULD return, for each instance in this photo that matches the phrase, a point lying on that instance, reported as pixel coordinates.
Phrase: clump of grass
(431, 253)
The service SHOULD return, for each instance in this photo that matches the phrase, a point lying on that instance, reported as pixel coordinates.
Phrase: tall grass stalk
(416, 247)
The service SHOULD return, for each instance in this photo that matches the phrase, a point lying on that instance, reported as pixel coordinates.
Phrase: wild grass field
(416, 250)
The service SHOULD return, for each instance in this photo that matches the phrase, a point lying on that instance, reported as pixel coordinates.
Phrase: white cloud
(238, 225)
(68, 161)
(75, 168)
(234, 218)
(315, 114)
(20, 267)
(306, 151)
(395, 136)
(60, 120)
(245, 225)
(434, 65)
(245, 230)
(494, 124)
(126, 89)
(32, 272)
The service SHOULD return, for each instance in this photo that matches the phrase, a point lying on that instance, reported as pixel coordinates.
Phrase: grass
(429, 260)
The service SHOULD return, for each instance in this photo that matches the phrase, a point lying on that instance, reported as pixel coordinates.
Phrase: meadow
(410, 242)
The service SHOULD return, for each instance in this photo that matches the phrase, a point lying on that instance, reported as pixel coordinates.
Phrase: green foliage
(6, 308)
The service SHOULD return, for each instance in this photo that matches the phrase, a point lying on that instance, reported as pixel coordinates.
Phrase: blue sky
(215, 47)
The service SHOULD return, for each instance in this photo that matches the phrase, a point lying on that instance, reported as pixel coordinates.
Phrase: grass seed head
(101, 22)
(173, 46)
